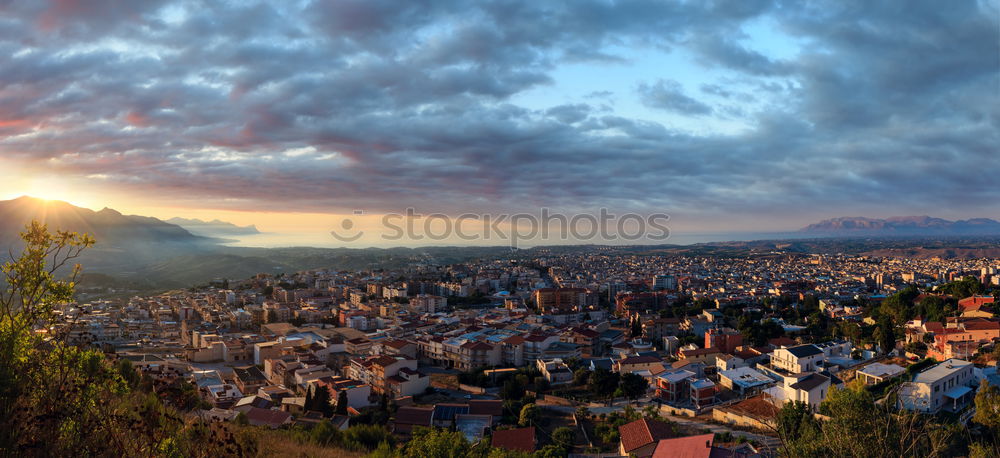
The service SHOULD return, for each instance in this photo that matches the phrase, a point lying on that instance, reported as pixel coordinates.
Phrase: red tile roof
(414, 415)
(643, 432)
(934, 326)
(640, 360)
(781, 341)
(477, 346)
(397, 344)
(685, 447)
(699, 352)
(384, 361)
(522, 439)
(981, 325)
(486, 407)
(974, 302)
(514, 340)
(268, 417)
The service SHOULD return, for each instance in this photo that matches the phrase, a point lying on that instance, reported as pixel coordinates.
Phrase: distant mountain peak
(905, 225)
(214, 228)
(109, 211)
(109, 226)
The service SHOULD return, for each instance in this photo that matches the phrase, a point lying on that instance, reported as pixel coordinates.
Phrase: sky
(728, 116)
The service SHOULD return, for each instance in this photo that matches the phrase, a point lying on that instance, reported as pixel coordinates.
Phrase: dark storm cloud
(335, 105)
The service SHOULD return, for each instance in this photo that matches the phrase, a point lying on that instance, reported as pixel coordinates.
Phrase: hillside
(903, 225)
(108, 226)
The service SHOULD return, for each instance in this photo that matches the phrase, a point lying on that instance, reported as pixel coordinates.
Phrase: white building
(744, 380)
(947, 385)
(811, 389)
(555, 371)
(878, 372)
(798, 359)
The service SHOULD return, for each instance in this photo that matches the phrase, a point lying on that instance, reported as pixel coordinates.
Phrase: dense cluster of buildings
(265, 345)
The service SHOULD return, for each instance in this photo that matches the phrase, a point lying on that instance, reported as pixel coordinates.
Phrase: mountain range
(903, 226)
(139, 253)
(107, 225)
(214, 228)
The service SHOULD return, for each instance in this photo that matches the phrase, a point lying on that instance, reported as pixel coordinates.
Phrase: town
(584, 354)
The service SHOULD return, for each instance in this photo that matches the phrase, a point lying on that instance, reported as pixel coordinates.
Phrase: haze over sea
(325, 240)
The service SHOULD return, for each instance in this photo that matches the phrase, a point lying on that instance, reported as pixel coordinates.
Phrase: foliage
(933, 308)
(318, 399)
(797, 428)
(564, 437)
(474, 377)
(857, 426)
(885, 335)
(529, 415)
(604, 382)
(436, 443)
(342, 403)
(899, 306)
(365, 437)
(551, 451)
(919, 366)
(988, 413)
(633, 386)
(58, 399)
(966, 287)
(759, 333)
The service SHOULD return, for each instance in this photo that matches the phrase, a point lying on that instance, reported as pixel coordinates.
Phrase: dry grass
(274, 444)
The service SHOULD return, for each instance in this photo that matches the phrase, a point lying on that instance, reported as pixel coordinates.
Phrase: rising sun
(50, 190)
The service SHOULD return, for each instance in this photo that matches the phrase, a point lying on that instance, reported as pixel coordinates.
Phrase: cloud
(669, 95)
(883, 108)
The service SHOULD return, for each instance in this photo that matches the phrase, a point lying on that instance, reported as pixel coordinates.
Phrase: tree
(128, 372)
(931, 308)
(529, 415)
(603, 382)
(633, 386)
(581, 376)
(61, 398)
(564, 437)
(988, 411)
(966, 287)
(437, 443)
(551, 451)
(342, 403)
(759, 333)
(365, 437)
(541, 384)
(858, 426)
(512, 389)
(797, 428)
(852, 331)
(321, 401)
(636, 328)
(885, 335)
